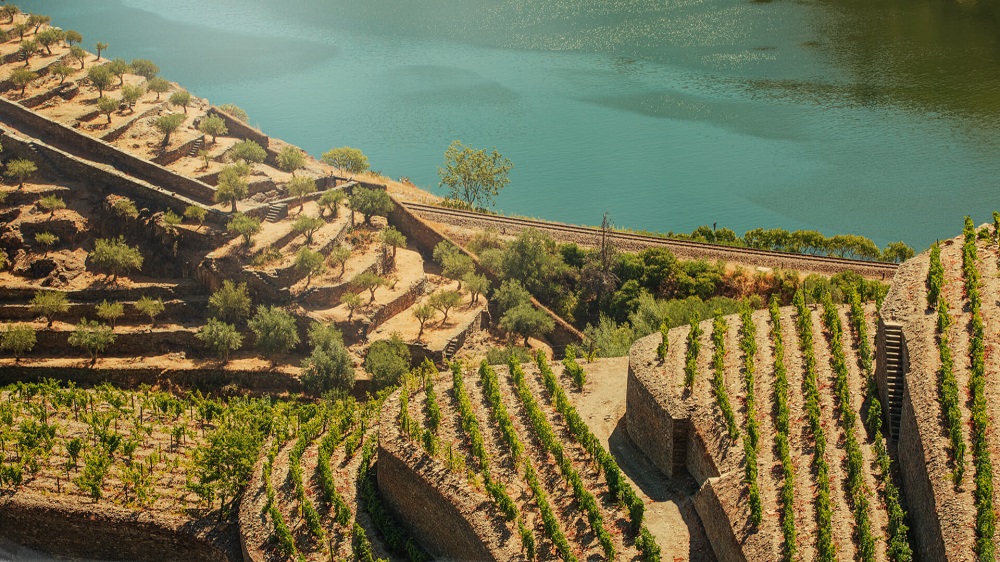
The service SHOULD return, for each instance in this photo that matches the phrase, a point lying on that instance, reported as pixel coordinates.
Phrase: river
(876, 117)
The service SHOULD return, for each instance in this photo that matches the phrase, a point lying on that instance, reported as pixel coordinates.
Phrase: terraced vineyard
(766, 411)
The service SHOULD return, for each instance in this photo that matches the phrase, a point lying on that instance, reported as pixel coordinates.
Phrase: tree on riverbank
(473, 175)
(233, 184)
(346, 158)
(22, 77)
(167, 124)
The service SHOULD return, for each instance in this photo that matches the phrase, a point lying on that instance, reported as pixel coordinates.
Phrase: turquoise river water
(876, 117)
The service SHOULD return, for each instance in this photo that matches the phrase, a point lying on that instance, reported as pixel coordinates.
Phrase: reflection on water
(843, 116)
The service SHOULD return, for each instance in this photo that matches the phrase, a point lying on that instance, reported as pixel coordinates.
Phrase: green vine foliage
(781, 413)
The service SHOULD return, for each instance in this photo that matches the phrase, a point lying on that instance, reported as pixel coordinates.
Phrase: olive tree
(116, 256)
(101, 78)
(235, 111)
(309, 262)
(20, 170)
(244, 226)
(119, 68)
(445, 301)
(331, 199)
(339, 255)
(158, 85)
(62, 71)
(107, 106)
(151, 307)
(346, 158)
(77, 52)
(220, 337)
(248, 151)
(275, 330)
(17, 339)
(93, 337)
(49, 37)
(167, 124)
(368, 281)
(72, 36)
(231, 302)
(476, 285)
(300, 187)
(28, 48)
(474, 176)
(233, 184)
(308, 226)
(424, 313)
(196, 213)
(46, 239)
(329, 366)
(110, 312)
(387, 361)
(352, 301)
(393, 239)
(526, 321)
(181, 98)
(131, 93)
(290, 159)
(145, 68)
(22, 77)
(100, 48)
(213, 125)
(10, 11)
(48, 304)
(51, 204)
(371, 202)
(38, 20)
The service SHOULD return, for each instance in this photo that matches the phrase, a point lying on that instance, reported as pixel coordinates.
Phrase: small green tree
(20, 170)
(308, 226)
(22, 77)
(299, 187)
(100, 48)
(110, 312)
(38, 20)
(213, 125)
(235, 111)
(290, 159)
(352, 301)
(28, 48)
(368, 281)
(664, 345)
(48, 304)
(472, 175)
(158, 85)
(233, 184)
(275, 330)
(107, 106)
(131, 93)
(231, 302)
(220, 337)
(125, 207)
(145, 68)
(181, 98)
(339, 255)
(329, 366)
(151, 307)
(387, 361)
(101, 77)
(309, 262)
(17, 339)
(456, 266)
(62, 71)
(349, 159)
(10, 11)
(424, 313)
(117, 256)
(21, 30)
(72, 36)
(526, 321)
(897, 252)
(51, 204)
(119, 68)
(394, 239)
(48, 38)
(371, 202)
(171, 220)
(445, 301)
(244, 226)
(77, 53)
(46, 239)
(247, 151)
(331, 199)
(167, 124)
(476, 285)
(511, 294)
(197, 214)
(93, 337)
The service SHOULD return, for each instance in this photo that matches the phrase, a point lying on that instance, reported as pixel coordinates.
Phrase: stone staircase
(276, 212)
(196, 146)
(894, 380)
(451, 349)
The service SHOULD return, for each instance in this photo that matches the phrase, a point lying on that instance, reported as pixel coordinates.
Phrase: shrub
(387, 361)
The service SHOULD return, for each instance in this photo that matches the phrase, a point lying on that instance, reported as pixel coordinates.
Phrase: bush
(231, 302)
(17, 339)
(329, 365)
(117, 256)
(387, 361)
(275, 330)
(220, 337)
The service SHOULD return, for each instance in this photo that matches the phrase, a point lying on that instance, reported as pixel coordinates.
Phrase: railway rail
(682, 248)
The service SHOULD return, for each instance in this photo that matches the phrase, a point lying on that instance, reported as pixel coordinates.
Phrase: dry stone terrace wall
(448, 518)
(82, 145)
(70, 528)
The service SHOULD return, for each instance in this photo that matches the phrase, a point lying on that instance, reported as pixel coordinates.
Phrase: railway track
(682, 248)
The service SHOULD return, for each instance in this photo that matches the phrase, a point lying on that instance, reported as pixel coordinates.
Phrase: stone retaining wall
(68, 527)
